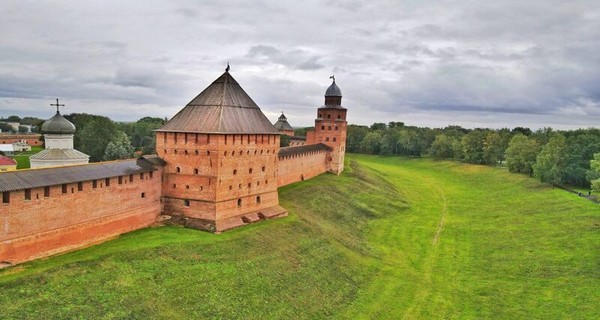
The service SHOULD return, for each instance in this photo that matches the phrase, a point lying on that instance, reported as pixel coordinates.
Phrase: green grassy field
(22, 158)
(389, 238)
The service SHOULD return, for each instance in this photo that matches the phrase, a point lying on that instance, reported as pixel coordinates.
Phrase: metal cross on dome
(57, 105)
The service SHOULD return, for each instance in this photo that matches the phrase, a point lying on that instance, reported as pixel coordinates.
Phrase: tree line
(560, 157)
(103, 139)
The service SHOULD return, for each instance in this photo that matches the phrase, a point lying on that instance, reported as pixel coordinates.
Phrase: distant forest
(559, 157)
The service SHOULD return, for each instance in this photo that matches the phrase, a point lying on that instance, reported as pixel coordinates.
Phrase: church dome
(58, 125)
(333, 90)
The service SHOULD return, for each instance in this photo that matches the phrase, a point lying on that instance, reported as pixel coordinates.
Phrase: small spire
(227, 69)
(57, 105)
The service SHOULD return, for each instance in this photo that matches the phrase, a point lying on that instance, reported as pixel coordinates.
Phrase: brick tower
(221, 160)
(331, 126)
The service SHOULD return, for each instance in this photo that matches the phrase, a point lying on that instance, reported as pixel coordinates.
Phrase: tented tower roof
(223, 107)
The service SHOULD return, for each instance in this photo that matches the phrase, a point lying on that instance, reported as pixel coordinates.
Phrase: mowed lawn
(390, 238)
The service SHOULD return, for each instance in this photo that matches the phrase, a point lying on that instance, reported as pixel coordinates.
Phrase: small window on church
(27, 194)
(336, 127)
(263, 168)
(141, 176)
(130, 178)
(186, 202)
(178, 169)
(6, 197)
(80, 186)
(328, 116)
(334, 139)
(195, 171)
(234, 171)
(64, 188)
(322, 127)
(47, 191)
(239, 202)
(151, 174)
(339, 116)
(143, 195)
(250, 170)
(107, 182)
(120, 180)
(258, 199)
(326, 138)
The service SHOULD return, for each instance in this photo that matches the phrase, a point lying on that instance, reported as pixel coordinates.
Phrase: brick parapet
(53, 218)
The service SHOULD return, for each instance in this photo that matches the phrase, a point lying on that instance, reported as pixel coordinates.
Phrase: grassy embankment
(22, 158)
(390, 238)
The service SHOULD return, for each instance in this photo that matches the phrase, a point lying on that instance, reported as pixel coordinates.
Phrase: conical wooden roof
(223, 107)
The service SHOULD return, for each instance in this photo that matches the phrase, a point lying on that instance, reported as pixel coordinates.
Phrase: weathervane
(227, 69)
(332, 77)
(57, 105)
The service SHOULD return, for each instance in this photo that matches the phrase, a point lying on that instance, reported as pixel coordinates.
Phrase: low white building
(7, 149)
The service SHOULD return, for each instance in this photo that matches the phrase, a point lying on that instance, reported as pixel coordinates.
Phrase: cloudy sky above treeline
(427, 63)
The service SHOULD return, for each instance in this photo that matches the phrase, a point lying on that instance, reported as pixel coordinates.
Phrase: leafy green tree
(301, 132)
(551, 162)
(284, 141)
(354, 137)
(95, 136)
(581, 148)
(32, 121)
(521, 154)
(371, 143)
(472, 145)
(524, 131)
(13, 119)
(119, 148)
(493, 148)
(5, 127)
(595, 167)
(394, 124)
(378, 126)
(141, 133)
(457, 150)
(23, 129)
(441, 148)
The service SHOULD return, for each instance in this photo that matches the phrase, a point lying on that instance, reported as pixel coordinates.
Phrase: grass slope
(22, 158)
(390, 238)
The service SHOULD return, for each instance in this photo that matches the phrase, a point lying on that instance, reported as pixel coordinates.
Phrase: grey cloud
(476, 64)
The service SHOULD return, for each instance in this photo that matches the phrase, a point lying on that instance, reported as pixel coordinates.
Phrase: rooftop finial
(57, 105)
(227, 69)
(332, 77)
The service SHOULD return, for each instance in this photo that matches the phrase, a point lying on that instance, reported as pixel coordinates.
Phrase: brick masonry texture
(30, 139)
(213, 182)
(83, 215)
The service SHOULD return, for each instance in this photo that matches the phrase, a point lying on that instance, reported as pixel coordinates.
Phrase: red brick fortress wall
(301, 166)
(30, 139)
(65, 217)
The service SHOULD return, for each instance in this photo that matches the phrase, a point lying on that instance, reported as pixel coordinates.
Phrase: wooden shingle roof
(223, 107)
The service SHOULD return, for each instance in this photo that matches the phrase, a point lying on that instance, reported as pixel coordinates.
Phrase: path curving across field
(391, 238)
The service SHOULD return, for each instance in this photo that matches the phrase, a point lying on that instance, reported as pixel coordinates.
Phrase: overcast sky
(427, 63)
